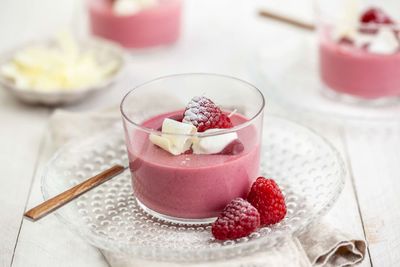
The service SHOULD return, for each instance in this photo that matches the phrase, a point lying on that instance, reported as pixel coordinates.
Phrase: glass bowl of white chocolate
(60, 70)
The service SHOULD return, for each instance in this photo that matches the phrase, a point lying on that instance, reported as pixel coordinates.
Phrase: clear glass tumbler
(190, 187)
(359, 57)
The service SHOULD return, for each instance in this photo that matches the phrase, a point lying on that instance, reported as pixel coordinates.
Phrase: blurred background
(217, 36)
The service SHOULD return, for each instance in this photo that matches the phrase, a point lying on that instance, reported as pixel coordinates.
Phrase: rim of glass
(214, 133)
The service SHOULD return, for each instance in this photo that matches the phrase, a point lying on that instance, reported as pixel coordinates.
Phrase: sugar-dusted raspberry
(205, 114)
(238, 219)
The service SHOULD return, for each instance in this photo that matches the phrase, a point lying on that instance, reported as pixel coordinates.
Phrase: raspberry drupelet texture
(238, 219)
(268, 199)
(204, 114)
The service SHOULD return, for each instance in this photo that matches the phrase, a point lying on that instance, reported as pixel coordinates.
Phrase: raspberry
(268, 199)
(375, 15)
(238, 219)
(204, 115)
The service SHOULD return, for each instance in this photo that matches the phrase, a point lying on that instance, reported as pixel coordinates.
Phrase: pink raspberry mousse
(192, 186)
(153, 26)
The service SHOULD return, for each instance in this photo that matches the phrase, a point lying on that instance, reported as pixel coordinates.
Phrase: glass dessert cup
(151, 26)
(189, 187)
(349, 70)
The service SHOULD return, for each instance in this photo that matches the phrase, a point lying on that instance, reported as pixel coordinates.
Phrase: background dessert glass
(348, 68)
(189, 187)
(155, 25)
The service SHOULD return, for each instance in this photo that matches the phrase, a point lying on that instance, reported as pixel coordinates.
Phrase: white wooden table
(219, 36)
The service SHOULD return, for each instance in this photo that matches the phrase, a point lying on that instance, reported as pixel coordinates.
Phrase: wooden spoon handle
(287, 20)
(56, 202)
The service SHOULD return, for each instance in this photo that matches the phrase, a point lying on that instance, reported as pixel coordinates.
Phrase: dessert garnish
(265, 206)
(60, 67)
(213, 144)
(372, 18)
(385, 42)
(131, 7)
(208, 117)
(200, 116)
(373, 32)
(347, 23)
(376, 16)
(268, 199)
(238, 219)
(204, 114)
(175, 137)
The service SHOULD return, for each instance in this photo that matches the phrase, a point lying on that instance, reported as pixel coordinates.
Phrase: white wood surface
(21, 130)
(225, 44)
(345, 214)
(49, 242)
(376, 175)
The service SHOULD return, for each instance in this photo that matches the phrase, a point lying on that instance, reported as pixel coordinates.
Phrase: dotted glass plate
(308, 169)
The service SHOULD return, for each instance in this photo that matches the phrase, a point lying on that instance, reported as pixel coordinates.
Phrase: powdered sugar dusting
(204, 114)
(196, 110)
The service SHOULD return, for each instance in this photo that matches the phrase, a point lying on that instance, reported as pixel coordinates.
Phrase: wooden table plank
(375, 160)
(345, 213)
(49, 242)
(21, 132)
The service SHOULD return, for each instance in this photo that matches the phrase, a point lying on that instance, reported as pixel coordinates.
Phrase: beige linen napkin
(322, 245)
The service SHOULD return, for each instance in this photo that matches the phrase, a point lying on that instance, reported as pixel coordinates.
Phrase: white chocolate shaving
(131, 7)
(175, 138)
(213, 144)
(125, 7)
(384, 43)
(347, 25)
(363, 39)
(164, 143)
(61, 67)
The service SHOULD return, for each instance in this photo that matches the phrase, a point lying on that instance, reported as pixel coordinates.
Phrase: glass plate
(308, 169)
(295, 84)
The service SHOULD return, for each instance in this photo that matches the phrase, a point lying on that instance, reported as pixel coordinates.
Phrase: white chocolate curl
(175, 137)
(62, 67)
(131, 7)
(347, 25)
(213, 144)
(384, 43)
